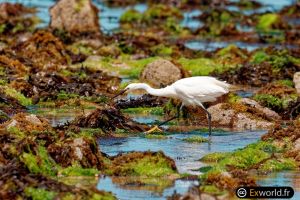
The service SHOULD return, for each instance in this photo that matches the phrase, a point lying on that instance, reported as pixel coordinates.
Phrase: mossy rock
(150, 164)
(266, 21)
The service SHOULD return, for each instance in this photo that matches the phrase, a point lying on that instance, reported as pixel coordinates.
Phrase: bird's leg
(157, 129)
(179, 108)
(208, 118)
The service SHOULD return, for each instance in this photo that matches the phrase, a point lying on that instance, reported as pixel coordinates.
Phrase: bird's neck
(163, 92)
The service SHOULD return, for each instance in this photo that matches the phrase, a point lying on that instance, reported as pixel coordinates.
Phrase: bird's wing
(199, 90)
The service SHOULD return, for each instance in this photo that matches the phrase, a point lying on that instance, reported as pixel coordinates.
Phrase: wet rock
(27, 123)
(75, 16)
(108, 119)
(245, 115)
(296, 80)
(80, 150)
(270, 114)
(161, 73)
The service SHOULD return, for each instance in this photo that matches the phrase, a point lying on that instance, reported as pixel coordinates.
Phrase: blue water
(133, 193)
(213, 45)
(186, 155)
(288, 178)
(109, 16)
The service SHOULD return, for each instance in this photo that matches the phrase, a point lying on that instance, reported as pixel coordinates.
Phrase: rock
(161, 73)
(270, 114)
(81, 150)
(296, 80)
(222, 116)
(75, 16)
(228, 116)
(245, 122)
(28, 123)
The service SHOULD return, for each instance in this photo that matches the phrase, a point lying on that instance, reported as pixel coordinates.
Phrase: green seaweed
(214, 157)
(145, 110)
(130, 16)
(143, 164)
(161, 50)
(39, 193)
(273, 102)
(156, 136)
(278, 165)
(17, 95)
(78, 171)
(202, 66)
(41, 163)
(195, 139)
(266, 21)
(211, 189)
(62, 95)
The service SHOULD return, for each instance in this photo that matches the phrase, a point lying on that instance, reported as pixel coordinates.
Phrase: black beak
(120, 93)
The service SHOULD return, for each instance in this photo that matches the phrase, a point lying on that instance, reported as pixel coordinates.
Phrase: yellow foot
(154, 129)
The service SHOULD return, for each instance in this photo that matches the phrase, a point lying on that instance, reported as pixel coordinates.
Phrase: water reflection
(126, 188)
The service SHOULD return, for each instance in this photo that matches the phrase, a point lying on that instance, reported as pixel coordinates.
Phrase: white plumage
(191, 91)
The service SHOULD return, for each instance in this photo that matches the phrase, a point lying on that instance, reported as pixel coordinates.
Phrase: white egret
(192, 91)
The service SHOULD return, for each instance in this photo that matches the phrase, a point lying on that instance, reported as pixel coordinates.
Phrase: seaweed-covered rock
(108, 119)
(27, 123)
(244, 114)
(83, 82)
(15, 18)
(12, 68)
(44, 50)
(225, 115)
(80, 150)
(279, 97)
(161, 73)
(75, 16)
(153, 164)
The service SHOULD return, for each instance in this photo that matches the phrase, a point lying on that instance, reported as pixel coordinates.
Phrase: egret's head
(135, 86)
(131, 87)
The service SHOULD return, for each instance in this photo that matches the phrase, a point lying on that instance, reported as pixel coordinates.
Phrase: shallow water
(109, 16)
(287, 178)
(132, 192)
(186, 156)
(213, 45)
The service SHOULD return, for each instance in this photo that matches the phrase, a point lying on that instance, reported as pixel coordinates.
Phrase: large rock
(269, 114)
(296, 81)
(246, 114)
(75, 16)
(161, 73)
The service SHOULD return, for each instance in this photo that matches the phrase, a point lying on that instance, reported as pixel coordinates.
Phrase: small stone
(296, 81)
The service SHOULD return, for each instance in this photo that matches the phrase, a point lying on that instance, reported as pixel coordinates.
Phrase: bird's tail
(223, 85)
